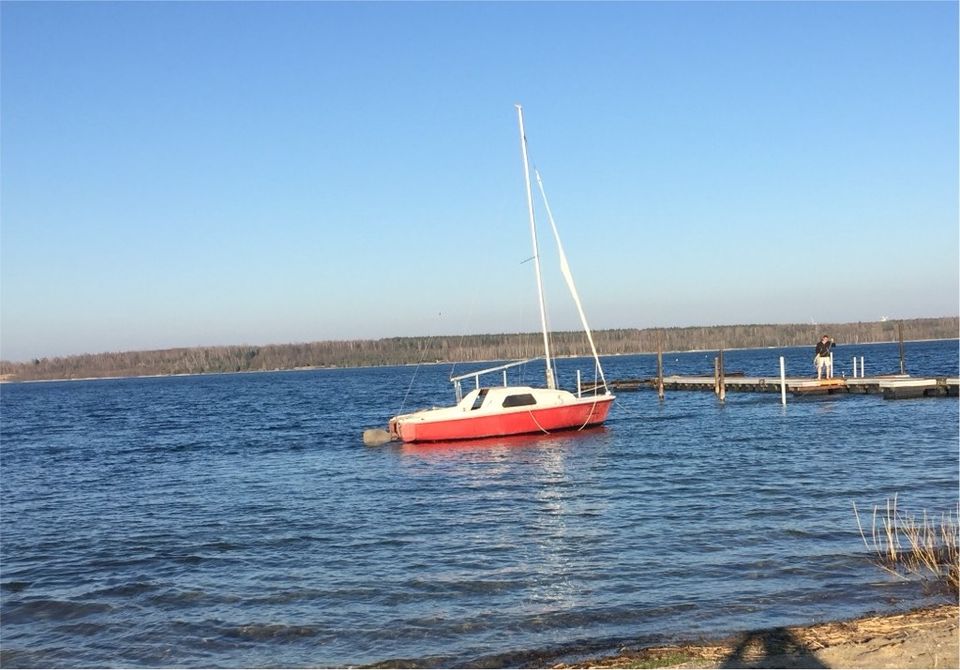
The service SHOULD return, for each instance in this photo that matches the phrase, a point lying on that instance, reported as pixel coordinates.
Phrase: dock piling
(660, 367)
(723, 381)
(716, 376)
(903, 369)
(783, 383)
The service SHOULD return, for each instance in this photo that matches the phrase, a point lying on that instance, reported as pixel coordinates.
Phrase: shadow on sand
(771, 648)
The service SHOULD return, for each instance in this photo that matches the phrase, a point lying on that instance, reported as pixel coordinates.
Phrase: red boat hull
(582, 414)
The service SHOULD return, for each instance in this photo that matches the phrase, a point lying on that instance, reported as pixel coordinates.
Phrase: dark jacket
(823, 348)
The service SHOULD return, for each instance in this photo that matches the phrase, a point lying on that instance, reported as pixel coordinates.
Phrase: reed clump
(910, 545)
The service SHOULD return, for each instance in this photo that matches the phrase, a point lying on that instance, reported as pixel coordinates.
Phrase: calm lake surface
(238, 520)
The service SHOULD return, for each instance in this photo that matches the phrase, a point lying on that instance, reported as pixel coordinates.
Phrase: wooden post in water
(723, 381)
(903, 369)
(716, 375)
(660, 365)
(783, 383)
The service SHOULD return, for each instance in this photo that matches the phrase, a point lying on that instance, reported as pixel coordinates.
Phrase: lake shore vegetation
(462, 348)
(914, 545)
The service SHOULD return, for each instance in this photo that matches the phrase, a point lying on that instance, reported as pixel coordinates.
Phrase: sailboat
(498, 411)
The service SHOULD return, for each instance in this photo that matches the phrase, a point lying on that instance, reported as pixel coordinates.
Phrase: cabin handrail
(477, 373)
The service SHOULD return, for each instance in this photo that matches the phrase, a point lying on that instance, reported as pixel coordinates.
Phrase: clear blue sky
(178, 174)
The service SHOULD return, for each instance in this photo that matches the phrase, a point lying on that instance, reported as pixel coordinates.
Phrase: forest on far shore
(464, 348)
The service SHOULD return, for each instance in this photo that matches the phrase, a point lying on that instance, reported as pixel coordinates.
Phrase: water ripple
(237, 521)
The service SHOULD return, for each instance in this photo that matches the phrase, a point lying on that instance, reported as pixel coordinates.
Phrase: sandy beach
(924, 638)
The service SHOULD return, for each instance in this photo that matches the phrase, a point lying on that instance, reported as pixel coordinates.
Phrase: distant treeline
(450, 348)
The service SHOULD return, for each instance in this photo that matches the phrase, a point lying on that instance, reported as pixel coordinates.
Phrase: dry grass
(910, 545)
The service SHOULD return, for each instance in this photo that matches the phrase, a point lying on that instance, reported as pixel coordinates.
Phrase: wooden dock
(892, 387)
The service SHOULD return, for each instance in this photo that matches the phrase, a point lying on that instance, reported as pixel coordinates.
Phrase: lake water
(238, 520)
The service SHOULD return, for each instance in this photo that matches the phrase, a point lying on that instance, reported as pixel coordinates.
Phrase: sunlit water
(238, 520)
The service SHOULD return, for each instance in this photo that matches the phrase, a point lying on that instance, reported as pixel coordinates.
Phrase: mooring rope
(586, 422)
(545, 431)
(589, 416)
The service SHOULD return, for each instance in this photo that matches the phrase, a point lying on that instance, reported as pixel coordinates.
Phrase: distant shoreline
(3, 379)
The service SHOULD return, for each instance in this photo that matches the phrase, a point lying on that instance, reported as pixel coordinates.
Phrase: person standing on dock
(822, 359)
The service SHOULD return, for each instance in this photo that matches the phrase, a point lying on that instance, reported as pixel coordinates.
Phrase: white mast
(568, 276)
(536, 251)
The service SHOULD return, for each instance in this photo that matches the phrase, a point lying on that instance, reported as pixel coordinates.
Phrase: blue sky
(179, 174)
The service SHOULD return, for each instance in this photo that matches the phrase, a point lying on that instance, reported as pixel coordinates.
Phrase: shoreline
(927, 637)
(309, 368)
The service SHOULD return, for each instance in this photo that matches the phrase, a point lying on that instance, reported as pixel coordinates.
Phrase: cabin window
(519, 400)
(478, 401)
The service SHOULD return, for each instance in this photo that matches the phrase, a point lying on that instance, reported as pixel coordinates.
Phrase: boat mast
(536, 251)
